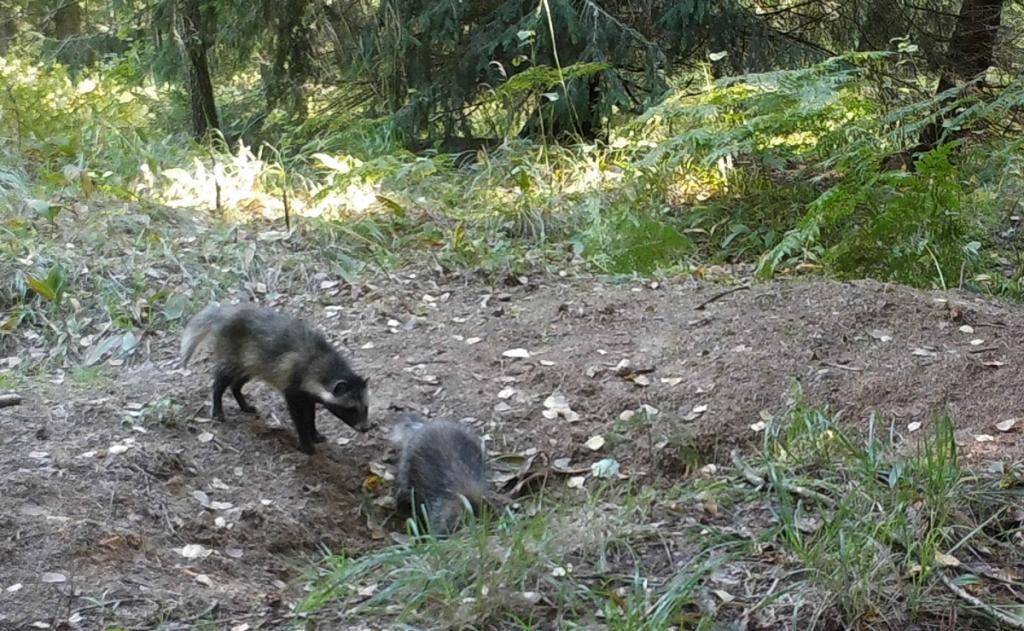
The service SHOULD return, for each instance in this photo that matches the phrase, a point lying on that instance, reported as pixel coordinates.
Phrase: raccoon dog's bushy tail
(199, 328)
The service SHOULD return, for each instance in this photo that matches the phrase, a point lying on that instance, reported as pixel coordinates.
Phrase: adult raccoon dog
(285, 352)
(441, 470)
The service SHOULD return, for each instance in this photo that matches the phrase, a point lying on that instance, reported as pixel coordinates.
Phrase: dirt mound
(120, 503)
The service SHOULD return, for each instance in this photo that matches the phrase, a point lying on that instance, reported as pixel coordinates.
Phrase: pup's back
(441, 467)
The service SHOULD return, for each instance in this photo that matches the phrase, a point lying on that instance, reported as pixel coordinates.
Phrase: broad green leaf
(98, 351)
(175, 306)
(41, 287)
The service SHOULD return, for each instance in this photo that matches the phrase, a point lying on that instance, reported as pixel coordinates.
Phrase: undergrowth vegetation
(821, 528)
(782, 171)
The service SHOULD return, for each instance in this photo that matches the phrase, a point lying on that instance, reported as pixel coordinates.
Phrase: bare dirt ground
(104, 487)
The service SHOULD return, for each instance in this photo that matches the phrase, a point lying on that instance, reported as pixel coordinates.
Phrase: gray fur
(297, 360)
(441, 468)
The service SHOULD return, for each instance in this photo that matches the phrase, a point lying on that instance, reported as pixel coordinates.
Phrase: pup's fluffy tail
(199, 328)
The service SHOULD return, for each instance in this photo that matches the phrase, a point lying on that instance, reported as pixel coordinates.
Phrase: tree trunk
(67, 20)
(881, 20)
(197, 68)
(8, 29)
(969, 54)
(291, 59)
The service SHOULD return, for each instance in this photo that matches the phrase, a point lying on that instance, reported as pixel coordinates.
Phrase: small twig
(287, 208)
(975, 351)
(756, 480)
(720, 295)
(8, 400)
(842, 367)
(1001, 325)
(990, 611)
(114, 604)
(748, 473)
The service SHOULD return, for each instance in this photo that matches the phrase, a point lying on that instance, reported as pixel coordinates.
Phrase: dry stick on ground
(719, 296)
(756, 480)
(9, 399)
(990, 611)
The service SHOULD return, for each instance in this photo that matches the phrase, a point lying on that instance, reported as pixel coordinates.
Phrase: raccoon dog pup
(285, 352)
(441, 469)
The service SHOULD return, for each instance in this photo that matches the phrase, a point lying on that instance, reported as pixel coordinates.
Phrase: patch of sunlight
(592, 176)
(696, 185)
(801, 139)
(355, 198)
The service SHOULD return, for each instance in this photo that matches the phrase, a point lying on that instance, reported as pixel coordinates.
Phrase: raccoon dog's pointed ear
(344, 386)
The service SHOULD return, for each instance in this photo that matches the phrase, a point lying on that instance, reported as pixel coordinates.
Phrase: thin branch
(8, 400)
(756, 480)
(1011, 621)
(719, 296)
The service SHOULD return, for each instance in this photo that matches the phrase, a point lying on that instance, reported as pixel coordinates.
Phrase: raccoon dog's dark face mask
(350, 403)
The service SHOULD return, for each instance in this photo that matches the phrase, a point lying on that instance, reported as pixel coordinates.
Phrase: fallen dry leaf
(576, 481)
(204, 437)
(507, 392)
(368, 591)
(758, 426)
(595, 442)
(1007, 425)
(984, 438)
(557, 405)
(993, 363)
(607, 468)
(52, 577)
(194, 551)
(473, 340)
(672, 381)
(516, 353)
(946, 560)
(967, 328)
(881, 335)
(641, 380)
(913, 426)
(695, 412)
(203, 579)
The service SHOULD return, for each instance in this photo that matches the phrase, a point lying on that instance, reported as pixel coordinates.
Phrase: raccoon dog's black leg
(221, 380)
(317, 436)
(302, 408)
(236, 390)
